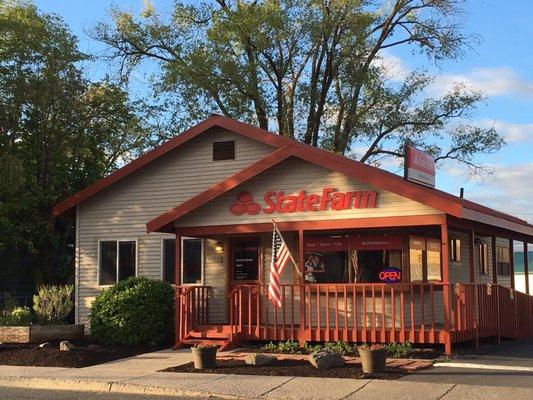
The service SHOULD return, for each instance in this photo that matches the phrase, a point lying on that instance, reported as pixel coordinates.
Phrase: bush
(399, 350)
(18, 316)
(52, 304)
(136, 310)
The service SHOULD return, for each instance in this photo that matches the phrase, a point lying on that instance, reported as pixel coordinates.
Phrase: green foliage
(293, 347)
(322, 73)
(18, 316)
(59, 132)
(399, 350)
(136, 310)
(341, 347)
(52, 304)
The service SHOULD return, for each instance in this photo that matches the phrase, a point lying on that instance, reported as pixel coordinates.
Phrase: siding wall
(122, 210)
(460, 270)
(291, 176)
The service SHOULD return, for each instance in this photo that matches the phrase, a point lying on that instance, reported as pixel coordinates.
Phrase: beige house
(375, 257)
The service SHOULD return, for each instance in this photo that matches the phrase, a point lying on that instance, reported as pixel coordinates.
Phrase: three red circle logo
(245, 204)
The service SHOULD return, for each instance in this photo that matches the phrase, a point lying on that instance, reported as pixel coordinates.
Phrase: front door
(245, 269)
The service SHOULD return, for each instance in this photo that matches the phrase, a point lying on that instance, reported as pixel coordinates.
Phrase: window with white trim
(192, 261)
(118, 261)
(503, 260)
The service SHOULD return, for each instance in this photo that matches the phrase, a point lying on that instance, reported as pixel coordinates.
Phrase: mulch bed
(428, 353)
(80, 356)
(288, 367)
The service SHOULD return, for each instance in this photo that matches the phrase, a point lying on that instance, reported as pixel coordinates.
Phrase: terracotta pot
(204, 356)
(373, 360)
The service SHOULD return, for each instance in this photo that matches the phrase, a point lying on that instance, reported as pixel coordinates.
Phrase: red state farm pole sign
(419, 167)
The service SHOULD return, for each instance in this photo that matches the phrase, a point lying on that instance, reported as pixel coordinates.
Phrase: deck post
(471, 264)
(177, 282)
(494, 260)
(511, 262)
(444, 255)
(526, 267)
(471, 261)
(301, 328)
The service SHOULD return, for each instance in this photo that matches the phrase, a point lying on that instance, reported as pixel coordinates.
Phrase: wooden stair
(219, 335)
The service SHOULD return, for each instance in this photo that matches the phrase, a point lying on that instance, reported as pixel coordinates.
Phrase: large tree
(58, 133)
(315, 70)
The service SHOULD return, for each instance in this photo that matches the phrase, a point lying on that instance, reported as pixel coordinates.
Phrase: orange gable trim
(437, 199)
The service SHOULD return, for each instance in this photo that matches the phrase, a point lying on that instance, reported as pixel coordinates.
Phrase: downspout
(77, 259)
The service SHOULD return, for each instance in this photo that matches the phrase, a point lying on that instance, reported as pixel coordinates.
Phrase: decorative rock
(259, 359)
(65, 345)
(44, 345)
(93, 347)
(325, 359)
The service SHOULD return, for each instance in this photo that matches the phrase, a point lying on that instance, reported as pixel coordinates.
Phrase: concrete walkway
(138, 375)
(507, 365)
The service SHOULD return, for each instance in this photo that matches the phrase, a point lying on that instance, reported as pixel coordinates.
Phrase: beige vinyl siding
(122, 210)
(291, 176)
(460, 270)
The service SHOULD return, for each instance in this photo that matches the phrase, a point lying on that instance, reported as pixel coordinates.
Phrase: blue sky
(501, 65)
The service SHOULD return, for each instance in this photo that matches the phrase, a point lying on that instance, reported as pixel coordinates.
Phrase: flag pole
(290, 255)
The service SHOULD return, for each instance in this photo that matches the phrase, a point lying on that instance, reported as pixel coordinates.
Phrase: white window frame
(202, 241)
(162, 252)
(136, 240)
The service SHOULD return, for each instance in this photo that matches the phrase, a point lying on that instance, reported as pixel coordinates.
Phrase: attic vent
(224, 150)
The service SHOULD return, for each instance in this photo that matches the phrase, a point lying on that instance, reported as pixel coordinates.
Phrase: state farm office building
(378, 258)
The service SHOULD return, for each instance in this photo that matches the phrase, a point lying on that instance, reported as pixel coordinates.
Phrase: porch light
(219, 247)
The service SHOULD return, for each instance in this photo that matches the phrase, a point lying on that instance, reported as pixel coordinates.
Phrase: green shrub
(341, 347)
(399, 350)
(18, 316)
(136, 310)
(52, 304)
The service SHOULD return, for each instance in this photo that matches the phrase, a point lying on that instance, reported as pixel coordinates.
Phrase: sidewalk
(138, 375)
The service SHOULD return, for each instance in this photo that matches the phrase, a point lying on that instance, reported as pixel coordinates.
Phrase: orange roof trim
(435, 198)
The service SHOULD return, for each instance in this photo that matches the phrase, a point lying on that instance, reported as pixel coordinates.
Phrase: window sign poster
(314, 265)
(246, 261)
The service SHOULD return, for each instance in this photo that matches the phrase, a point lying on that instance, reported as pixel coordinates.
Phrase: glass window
(108, 263)
(455, 249)
(424, 259)
(326, 267)
(483, 259)
(503, 261)
(433, 260)
(192, 261)
(416, 261)
(169, 260)
(245, 259)
(118, 261)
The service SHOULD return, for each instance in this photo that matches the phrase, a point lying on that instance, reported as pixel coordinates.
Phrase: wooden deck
(419, 313)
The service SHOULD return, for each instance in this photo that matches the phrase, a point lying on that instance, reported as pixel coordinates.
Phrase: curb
(80, 385)
(483, 366)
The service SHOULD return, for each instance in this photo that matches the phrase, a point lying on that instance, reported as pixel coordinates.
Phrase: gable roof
(435, 198)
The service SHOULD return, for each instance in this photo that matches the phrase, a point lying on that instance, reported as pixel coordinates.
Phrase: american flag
(280, 257)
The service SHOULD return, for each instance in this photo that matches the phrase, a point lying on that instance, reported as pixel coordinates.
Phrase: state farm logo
(245, 204)
(280, 203)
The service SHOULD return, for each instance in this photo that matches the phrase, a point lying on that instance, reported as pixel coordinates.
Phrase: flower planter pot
(204, 356)
(373, 360)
